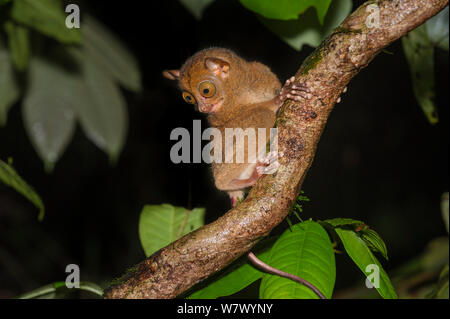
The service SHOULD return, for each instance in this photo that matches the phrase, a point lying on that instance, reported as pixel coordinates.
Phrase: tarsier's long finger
(295, 91)
(269, 158)
(299, 86)
(272, 168)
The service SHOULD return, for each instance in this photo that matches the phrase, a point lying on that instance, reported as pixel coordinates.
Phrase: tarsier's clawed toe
(268, 164)
(339, 98)
(296, 92)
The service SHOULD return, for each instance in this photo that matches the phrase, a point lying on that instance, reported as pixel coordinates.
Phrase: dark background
(379, 160)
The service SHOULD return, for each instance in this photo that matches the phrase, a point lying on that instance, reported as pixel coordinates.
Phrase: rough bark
(196, 256)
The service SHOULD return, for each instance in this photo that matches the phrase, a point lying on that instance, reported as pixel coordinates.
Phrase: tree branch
(194, 257)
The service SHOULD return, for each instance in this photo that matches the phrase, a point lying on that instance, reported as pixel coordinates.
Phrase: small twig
(183, 224)
(272, 270)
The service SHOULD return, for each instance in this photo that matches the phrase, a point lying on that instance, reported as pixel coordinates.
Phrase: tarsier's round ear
(171, 74)
(218, 66)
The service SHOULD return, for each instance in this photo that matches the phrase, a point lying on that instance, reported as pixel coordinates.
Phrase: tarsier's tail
(265, 267)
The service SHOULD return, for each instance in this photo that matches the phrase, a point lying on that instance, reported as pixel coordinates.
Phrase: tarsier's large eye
(188, 98)
(207, 89)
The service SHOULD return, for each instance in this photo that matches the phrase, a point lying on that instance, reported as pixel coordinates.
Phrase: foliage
(360, 253)
(423, 276)
(9, 89)
(235, 277)
(196, 7)
(59, 289)
(304, 250)
(46, 17)
(296, 22)
(441, 290)
(9, 176)
(159, 225)
(307, 29)
(286, 9)
(419, 46)
(77, 81)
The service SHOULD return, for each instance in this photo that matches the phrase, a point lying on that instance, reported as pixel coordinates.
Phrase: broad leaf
(358, 251)
(437, 29)
(374, 242)
(236, 277)
(159, 225)
(286, 9)
(305, 251)
(337, 222)
(9, 176)
(47, 17)
(19, 44)
(306, 29)
(441, 291)
(104, 117)
(419, 52)
(59, 290)
(9, 90)
(196, 7)
(106, 51)
(48, 109)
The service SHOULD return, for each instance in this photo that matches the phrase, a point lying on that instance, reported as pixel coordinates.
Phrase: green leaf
(306, 29)
(437, 29)
(370, 237)
(2, 2)
(306, 251)
(9, 176)
(441, 291)
(9, 90)
(236, 277)
(286, 9)
(49, 291)
(444, 209)
(19, 44)
(338, 222)
(374, 242)
(196, 7)
(159, 225)
(103, 117)
(48, 109)
(419, 52)
(106, 51)
(358, 251)
(47, 17)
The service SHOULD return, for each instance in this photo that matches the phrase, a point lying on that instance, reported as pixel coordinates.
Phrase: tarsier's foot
(268, 165)
(339, 98)
(296, 92)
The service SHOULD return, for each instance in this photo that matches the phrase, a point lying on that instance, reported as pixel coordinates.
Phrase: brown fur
(246, 93)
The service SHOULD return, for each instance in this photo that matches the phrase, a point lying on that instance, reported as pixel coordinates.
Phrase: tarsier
(235, 93)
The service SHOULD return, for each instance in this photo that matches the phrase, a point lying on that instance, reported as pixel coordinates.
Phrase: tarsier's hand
(268, 164)
(291, 91)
